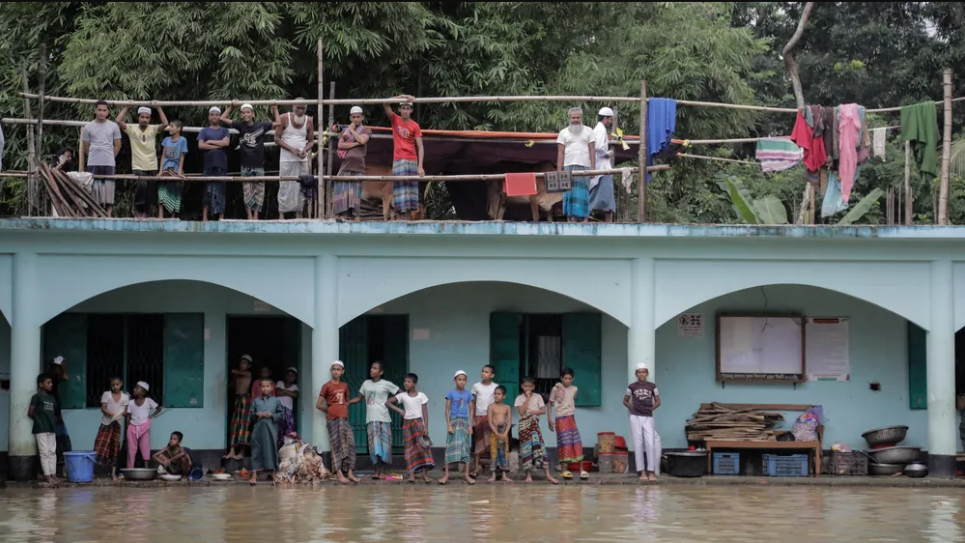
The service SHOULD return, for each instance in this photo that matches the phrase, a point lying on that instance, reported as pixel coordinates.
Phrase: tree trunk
(790, 62)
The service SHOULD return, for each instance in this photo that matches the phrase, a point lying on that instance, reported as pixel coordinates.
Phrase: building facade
(177, 303)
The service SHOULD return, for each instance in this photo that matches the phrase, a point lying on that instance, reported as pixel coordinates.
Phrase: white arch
(366, 283)
(285, 283)
(900, 287)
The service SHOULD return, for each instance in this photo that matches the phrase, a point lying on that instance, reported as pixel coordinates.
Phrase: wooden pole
(37, 203)
(31, 149)
(81, 159)
(946, 152)
(909, 200)
(642, 193)
(812, 212)
(331, 152)
(320, 188)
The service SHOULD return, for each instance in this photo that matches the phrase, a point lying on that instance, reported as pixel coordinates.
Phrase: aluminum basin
(895, 455)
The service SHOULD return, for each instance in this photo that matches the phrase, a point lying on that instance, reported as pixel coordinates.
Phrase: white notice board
(827, 348)
(760, 348)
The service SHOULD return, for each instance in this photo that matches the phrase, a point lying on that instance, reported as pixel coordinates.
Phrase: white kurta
(601, 140)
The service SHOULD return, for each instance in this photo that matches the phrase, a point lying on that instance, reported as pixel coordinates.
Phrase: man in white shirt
(577, 152)
(601, 186)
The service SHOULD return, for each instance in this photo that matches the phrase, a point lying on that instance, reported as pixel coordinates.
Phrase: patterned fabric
(347, 196)
(777, 155)
(214, 198)
(481, 433)
(416, 457)
(107, 445)
(102, 189)
(241, 421)
(532, 450)
(290, 198)
(576, 202)
(144, 191)
(254, 192)
(286, 425)
(342, 441)
(568, 443)
(458, 442)
(405, 195)
(380, 441)
(169, 194)
(499, 450)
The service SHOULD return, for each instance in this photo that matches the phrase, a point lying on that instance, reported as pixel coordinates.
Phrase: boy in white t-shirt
(415, 428)
(482, 396)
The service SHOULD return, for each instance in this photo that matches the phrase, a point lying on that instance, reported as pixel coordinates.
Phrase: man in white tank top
(296, 137)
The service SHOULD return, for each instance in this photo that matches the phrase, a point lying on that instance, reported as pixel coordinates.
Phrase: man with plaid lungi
(407, 156)
(577, 152)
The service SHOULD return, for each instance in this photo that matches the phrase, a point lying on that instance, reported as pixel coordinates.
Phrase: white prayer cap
(642, 366)
(143, 385)
(246, 106)
(59, 360)
(356, 110)
(246, 357)
(215, 109)
(142, 110)
(606, 112)
(339, 363)
(294, 369)
(458, 373)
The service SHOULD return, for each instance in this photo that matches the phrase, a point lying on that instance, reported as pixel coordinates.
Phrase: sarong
(380, 441)
(290, 198)
(405, 194)
(347, 196)
(254, 192)
(480, 434)
(342, 441)
(499, 450)
(214, 198)
(107, 444)
(458, 442)
(569, 447)
(241, 421)
(416, 457)
(102, 189)
(169, 194)
(63, 442)
(576, 201)
(264, 454)
(532, 449)
(144, 192)
(602, 197)
(286, 425)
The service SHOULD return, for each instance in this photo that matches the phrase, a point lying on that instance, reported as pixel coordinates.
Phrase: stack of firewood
(719, 423)
(68, 198)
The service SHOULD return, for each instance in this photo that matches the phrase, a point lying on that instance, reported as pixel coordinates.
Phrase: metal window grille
(127, 346)
(543, 355)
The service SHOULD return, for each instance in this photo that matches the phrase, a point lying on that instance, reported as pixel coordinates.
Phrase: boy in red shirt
(333, 401)
(407, 156)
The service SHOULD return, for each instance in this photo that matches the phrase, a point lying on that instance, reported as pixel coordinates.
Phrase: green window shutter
(395, 341)
(582, 346)
(66, 335)
(184, 360)
(353, 349)
(504, 351)
(917, 375)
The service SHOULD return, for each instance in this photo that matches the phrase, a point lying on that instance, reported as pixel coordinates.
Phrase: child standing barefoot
(568, 442)
(415, 428)
(340, 436)
(642, 399)
(240, 427)
(482, 396)
(459, 438)
(42, 410)
(107, 444)
(532, 450)
(500, 416)
(139, 417)
(266, 411)
(375, 391)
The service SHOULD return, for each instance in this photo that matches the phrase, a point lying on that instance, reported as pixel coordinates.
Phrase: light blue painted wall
(4, 394)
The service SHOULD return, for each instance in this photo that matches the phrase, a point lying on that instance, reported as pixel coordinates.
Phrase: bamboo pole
(909, 200)
(720, 159)
(327, 209)
(31, 149)
(812, 212)
(81, 159)
(642, 193)
(37, 203)
(946, 152)
(320, 187)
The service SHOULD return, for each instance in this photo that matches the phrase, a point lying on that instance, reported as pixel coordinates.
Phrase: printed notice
(262, 307)
(420, 334)
(827, 349)
(690, 325)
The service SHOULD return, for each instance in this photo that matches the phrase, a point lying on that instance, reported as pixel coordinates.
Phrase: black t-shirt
(252, 143)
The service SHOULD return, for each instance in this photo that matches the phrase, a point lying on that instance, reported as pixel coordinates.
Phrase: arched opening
(878, 384)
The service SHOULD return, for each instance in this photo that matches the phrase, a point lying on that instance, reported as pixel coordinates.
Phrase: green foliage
(861, 208)
(744, 207)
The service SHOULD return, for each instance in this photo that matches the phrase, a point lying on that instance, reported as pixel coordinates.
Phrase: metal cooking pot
(892, 435)
(139, 474)
(916, 470)
(686, 463)
(885, 469)
(895, 455)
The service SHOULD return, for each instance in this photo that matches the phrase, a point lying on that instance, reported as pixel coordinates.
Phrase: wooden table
(813, 446)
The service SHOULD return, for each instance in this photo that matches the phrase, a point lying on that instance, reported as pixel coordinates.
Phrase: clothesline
(719, 159)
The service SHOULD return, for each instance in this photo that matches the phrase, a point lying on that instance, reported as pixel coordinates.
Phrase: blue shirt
(460, 403)
(215, 158)
(172, 153)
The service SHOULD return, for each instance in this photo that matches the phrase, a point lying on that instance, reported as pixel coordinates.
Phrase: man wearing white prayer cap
(601, 186)
(143, 138)
(352, 145)
(642, 399)
(251, 144)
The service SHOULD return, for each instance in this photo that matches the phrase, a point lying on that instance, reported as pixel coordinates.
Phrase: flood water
(484, 513)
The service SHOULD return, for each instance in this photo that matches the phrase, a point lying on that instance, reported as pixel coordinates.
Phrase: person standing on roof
(601, 186)
(213, 140)
(143, 156)
(101, 141)
(296, 137)
(577, 152)
(407, 156)
(347, 197)
(251, 138)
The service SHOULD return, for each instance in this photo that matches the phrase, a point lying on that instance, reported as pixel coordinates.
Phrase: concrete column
(942, 431)
(641, 337)
(324, 338)
(24, 365)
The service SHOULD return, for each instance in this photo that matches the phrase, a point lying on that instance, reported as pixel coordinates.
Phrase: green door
(504, 330)
(353, 349)
(395, 354)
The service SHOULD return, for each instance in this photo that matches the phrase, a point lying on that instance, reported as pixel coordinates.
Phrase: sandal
(584, 475)
(566, 475)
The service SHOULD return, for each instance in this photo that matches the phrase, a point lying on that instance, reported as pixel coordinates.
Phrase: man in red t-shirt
(407, 156)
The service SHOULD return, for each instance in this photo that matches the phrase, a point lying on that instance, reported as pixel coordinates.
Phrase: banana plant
(771, 210)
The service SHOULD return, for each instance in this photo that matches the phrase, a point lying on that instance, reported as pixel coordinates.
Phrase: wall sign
(690, 325)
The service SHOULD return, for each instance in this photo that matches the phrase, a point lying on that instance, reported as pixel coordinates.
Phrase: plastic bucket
(607, 441)
(80, 466)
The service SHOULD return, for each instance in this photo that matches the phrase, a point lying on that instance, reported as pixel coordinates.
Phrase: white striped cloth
(777, 154)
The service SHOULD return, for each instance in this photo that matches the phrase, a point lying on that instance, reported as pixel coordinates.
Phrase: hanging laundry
(833, 202)
(919, 125)
(864, 138)
(520, 184)
(816, 114)
(830, 122)
(661, 125)
(878, 139)
(849, 127)
(803, 136)
(777, 155)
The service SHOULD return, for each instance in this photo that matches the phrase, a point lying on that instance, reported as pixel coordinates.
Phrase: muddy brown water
(484, 513)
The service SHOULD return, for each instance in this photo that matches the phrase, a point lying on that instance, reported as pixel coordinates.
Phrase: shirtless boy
(500, 416)
(240, 427)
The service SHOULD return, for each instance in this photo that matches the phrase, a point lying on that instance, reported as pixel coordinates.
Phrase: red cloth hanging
(520, 184)
(815, 155)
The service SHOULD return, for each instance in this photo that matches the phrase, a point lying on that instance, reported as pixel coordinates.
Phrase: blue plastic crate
(794, 465)
(727, 463)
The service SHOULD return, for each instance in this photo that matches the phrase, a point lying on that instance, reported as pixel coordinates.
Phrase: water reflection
(485, 513)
